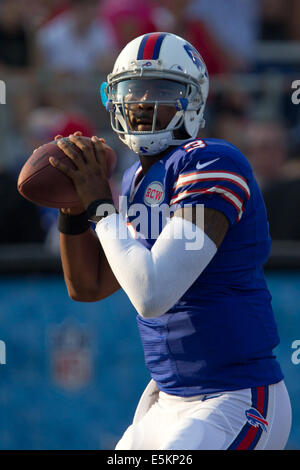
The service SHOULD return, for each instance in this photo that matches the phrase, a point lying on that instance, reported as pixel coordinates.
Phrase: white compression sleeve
(155, 279)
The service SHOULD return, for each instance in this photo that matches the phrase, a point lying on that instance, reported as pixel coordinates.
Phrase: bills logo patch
(256, 419)
(154, 194)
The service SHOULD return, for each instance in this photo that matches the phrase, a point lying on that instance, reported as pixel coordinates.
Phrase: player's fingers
(86, 146)
(62, 167)
(100, 153)
(71, 152)
(36, 149)
(77, 133)
(58, 137)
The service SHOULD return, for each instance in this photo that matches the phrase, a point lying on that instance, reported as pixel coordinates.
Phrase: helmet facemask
(137, 104)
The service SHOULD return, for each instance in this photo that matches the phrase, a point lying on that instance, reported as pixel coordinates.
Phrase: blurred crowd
(54, 54)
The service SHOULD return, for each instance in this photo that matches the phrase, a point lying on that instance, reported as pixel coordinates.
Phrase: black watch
(99, 209)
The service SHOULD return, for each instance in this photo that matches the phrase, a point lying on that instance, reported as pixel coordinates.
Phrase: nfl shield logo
(71, 357)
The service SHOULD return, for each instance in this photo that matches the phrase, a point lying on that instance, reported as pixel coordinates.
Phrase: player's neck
(148, 160)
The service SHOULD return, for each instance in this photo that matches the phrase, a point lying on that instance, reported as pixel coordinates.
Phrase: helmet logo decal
(150, 46)
(194, 55)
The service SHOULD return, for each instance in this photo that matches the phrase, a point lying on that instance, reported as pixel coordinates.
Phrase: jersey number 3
(194, 145)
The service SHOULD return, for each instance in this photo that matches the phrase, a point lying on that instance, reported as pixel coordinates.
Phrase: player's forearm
(87, 274)
(80, 261)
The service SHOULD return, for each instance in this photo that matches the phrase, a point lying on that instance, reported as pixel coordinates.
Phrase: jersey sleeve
(214, 181)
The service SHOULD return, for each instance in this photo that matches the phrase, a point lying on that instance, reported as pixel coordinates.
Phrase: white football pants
(255, 418)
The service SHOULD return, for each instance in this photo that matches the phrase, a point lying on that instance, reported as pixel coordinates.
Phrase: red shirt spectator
(128, 19)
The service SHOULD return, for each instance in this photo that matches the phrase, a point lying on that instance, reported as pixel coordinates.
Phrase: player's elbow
(78, 298)
(87, 296)
(150, 308)
(148, 313)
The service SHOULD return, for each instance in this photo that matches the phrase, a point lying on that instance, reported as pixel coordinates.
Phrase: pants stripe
(249, 435)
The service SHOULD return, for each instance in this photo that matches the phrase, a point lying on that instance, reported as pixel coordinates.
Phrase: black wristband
(73, 224)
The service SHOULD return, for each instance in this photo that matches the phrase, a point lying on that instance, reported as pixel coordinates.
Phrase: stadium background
(75, 371)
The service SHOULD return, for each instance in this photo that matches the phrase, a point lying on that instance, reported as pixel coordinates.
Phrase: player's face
(140, 96)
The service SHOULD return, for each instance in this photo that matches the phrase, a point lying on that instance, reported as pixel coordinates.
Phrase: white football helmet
(145, 62)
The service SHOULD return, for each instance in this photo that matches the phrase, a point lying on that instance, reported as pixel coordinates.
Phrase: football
(41, 183)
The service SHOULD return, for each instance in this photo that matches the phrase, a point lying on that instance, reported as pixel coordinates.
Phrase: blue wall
(74, 372)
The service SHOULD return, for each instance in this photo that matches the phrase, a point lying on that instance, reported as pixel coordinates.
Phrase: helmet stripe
(142, 47)
(150, 46)
(157, 46)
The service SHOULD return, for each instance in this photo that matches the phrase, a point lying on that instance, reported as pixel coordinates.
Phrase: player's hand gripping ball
(45, 185)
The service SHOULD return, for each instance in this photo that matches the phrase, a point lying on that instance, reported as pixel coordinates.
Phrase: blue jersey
(221, 333)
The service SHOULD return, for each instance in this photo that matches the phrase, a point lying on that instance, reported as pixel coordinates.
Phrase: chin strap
(148, 144)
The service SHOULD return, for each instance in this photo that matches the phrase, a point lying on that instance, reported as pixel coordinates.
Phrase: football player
(188, 247)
